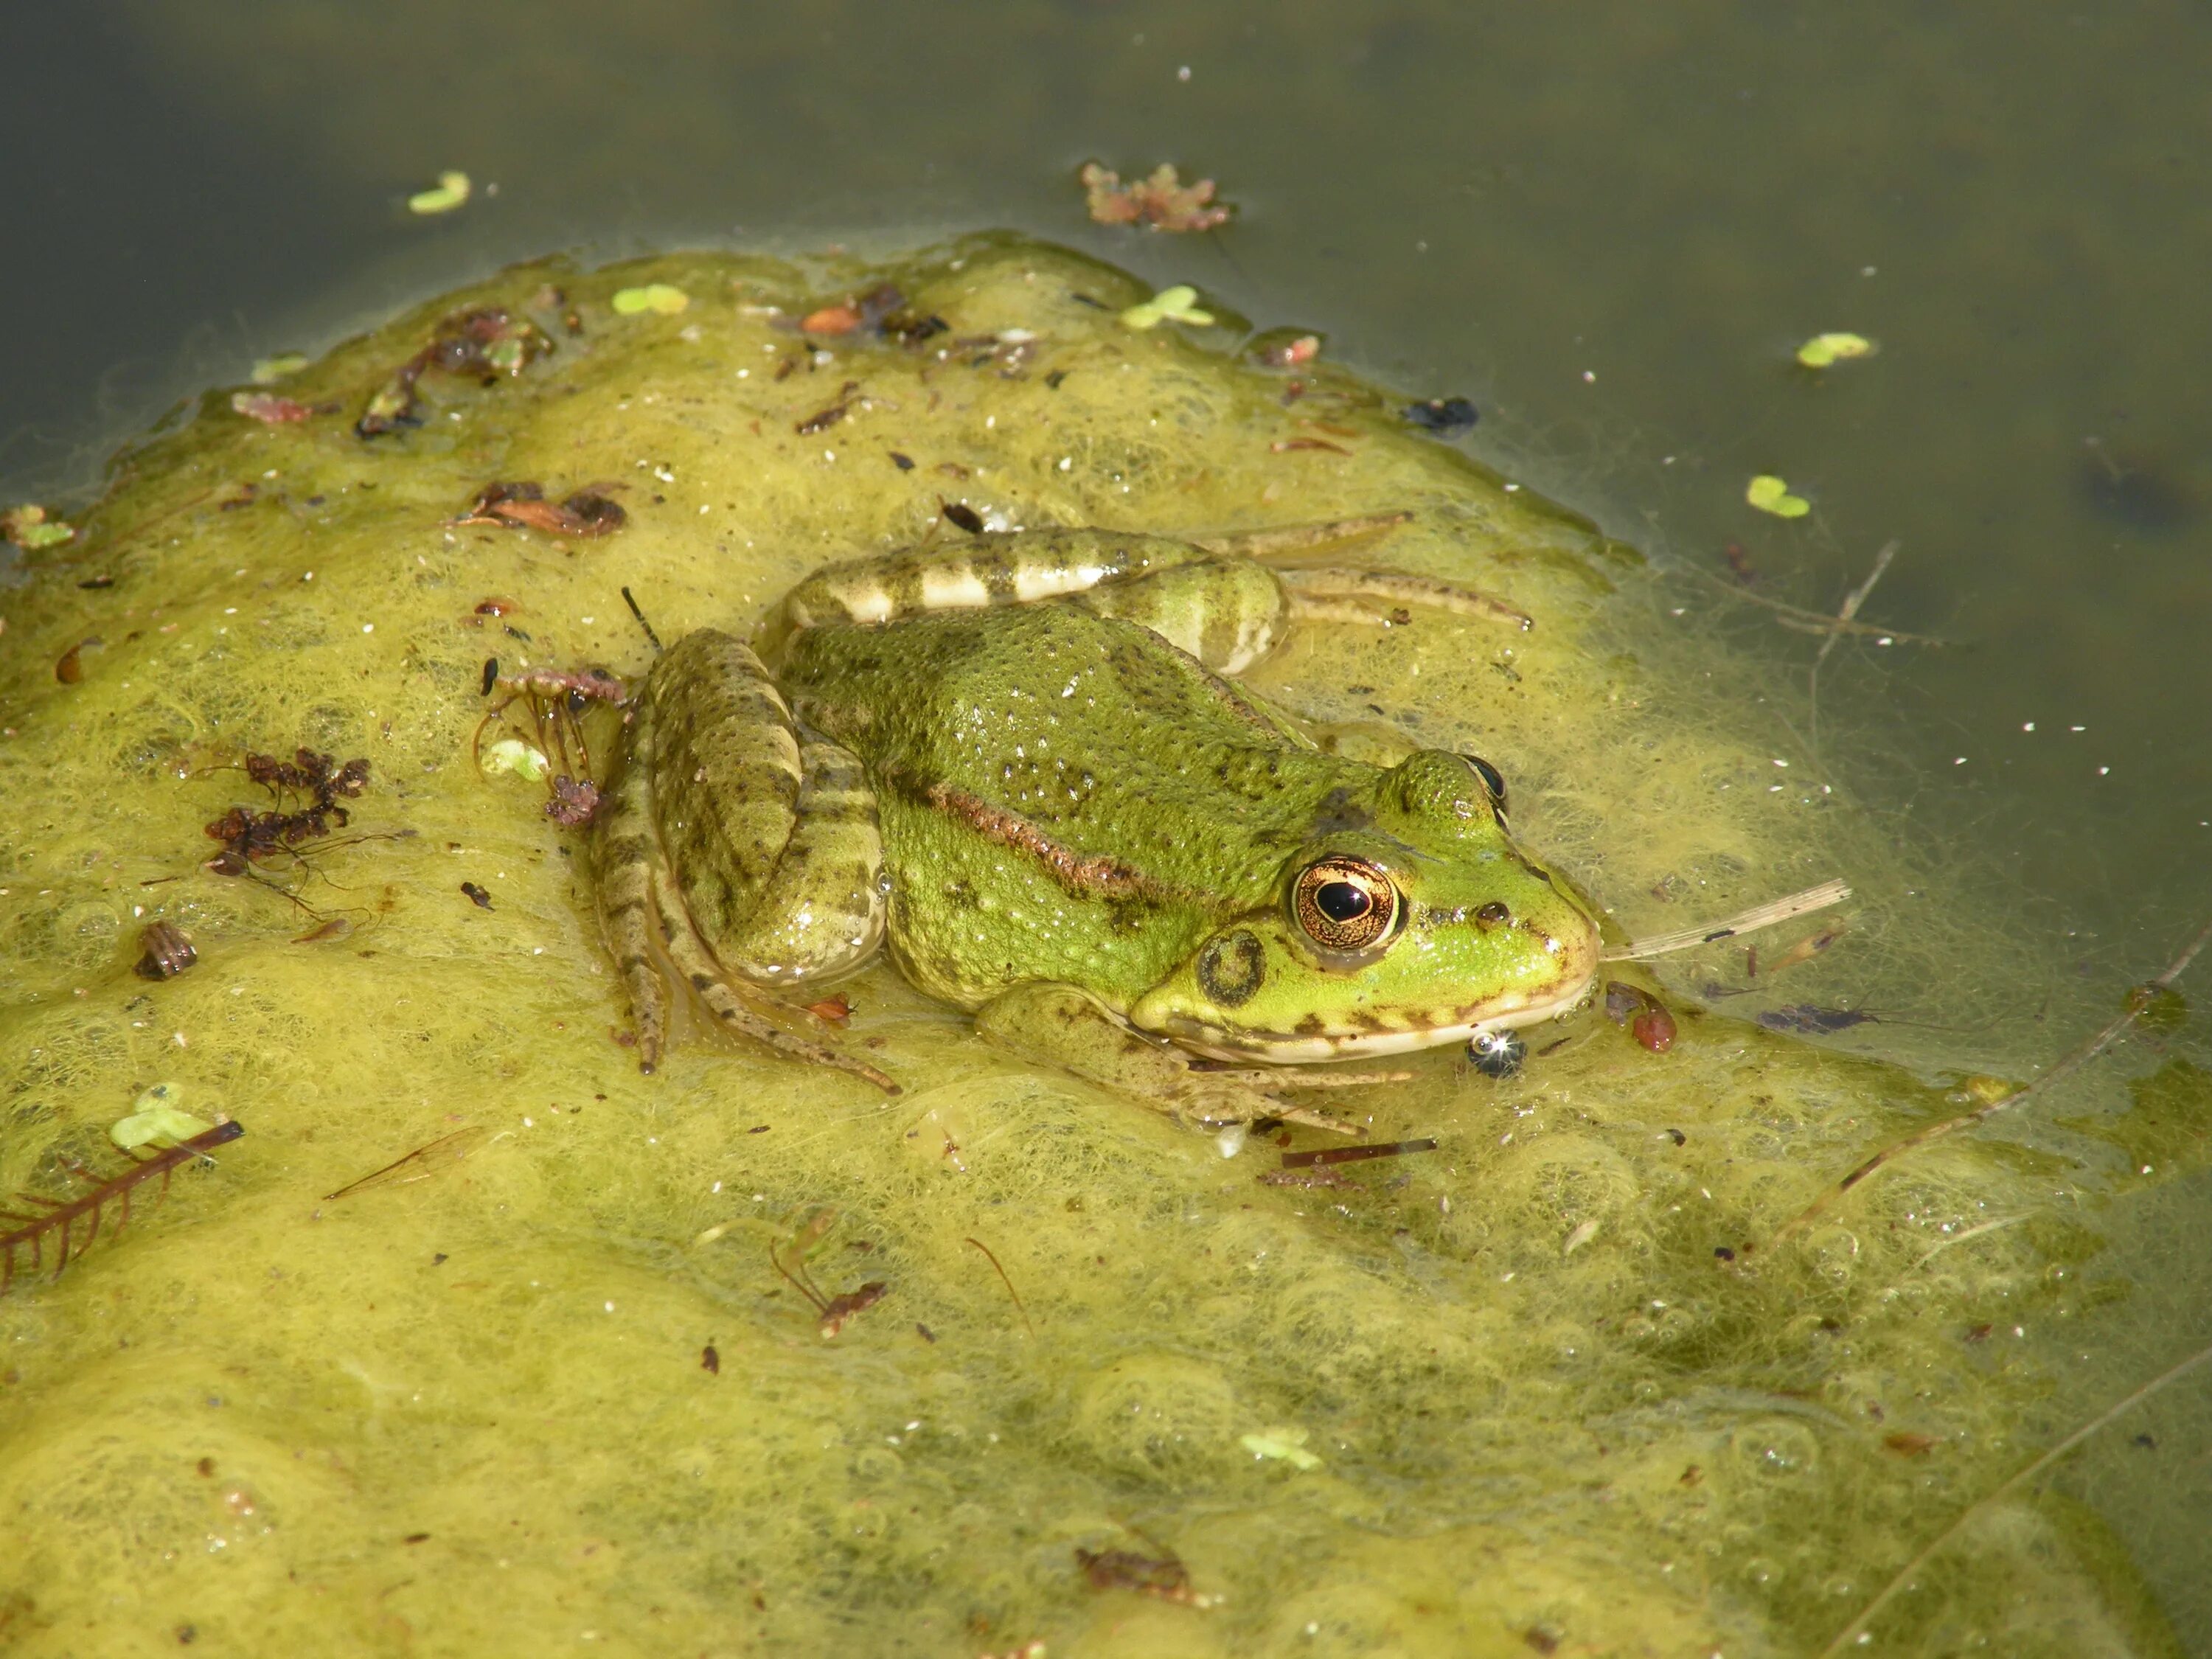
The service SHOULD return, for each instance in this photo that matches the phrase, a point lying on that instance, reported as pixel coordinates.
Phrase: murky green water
(1609, 228)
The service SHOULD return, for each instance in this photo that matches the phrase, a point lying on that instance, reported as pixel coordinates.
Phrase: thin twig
(1848, 612)
(2138, 1000)
(1817, 622)
(1850, 1634)
(1745, 921)
(1008, 1283)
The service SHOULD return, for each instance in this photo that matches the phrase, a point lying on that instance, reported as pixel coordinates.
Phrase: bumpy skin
(1087, 834)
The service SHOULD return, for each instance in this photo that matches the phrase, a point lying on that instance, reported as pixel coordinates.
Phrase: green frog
(1023, 764)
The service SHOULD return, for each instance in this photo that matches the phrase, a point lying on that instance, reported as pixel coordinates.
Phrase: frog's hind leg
(626, 848)
(721, 992)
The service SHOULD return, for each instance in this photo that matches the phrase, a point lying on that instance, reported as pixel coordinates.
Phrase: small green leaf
(1823, 350)
(28, 526)
(655, 296)
(452, 189)
(267, 371)
(1175, 305)
(156, 1121)
(1288, 1445)
(1771, 495)
(512, 755)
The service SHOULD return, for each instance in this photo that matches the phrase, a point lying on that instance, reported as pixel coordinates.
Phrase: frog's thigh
(772, 838)
(1018, 567)
(1228, 613)
(1065, 1026)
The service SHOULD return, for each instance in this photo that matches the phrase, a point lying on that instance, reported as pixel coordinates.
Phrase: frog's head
(1409, 919)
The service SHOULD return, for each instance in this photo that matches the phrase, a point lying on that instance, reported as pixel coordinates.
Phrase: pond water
(1609, 228)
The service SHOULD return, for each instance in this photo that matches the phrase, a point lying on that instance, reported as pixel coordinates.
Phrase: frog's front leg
(1065, 1026)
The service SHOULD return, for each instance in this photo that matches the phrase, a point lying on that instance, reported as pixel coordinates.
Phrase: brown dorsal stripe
(1087, 875)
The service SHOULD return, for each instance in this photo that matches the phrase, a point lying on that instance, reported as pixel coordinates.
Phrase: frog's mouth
(1362, 1035)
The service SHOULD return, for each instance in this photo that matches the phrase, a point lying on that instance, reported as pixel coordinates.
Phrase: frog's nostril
(1494, 915)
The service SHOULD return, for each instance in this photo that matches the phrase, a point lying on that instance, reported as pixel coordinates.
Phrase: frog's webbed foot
(1065, 1026)
(1370, 596)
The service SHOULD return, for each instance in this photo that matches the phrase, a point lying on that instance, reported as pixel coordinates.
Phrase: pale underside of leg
(1067, 1027)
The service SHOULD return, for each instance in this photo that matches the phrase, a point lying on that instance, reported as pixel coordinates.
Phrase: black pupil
(1492, 778)
(1342, 901)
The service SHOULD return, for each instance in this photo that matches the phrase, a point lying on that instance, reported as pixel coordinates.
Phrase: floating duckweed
(512, 755)
(155, 1119)
(1823, 350)
(652, 296)
(1771, 495)
(1289, 1445)
(29, 526)
(451, 191)
(267, 371)
(1177, 304)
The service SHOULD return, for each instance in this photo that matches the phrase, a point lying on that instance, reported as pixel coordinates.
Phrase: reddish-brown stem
(58, 1218)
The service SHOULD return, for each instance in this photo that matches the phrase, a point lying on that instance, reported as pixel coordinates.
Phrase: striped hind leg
(626, 845)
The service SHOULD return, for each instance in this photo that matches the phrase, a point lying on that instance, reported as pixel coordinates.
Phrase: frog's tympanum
(1022, 763)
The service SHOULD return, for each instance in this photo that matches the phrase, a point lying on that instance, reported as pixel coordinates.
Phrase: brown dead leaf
(1163, 201)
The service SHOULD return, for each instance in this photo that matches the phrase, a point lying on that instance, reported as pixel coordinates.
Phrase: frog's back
(1066, 774)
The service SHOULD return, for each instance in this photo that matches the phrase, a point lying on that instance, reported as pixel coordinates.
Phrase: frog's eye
(1492, 780)
(1343, 904)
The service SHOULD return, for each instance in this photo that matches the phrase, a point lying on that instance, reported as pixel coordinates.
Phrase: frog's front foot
(1065, 1026)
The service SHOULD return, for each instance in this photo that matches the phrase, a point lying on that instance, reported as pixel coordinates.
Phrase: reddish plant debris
(964, 515)
(478, 896)
(57, 1219)
(1292, 353)
(269, 409)
(836, 1010)
(167, 952)
(494, 606)
(485, 342)
(1647, 1021)
(882, 312)
(250, 837)
(710, 1360)
(1162, 201)
(830, 320)
(420, 1165)
(557, 699)
(574, 803)
(522, 505)
(821, 420)
(1326, 1155)
(1162, 1576)
(839, 1310)
(1283, 445)
(1906, 1444)
(70, 670)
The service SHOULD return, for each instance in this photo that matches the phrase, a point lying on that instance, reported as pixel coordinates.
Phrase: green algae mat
(436, 1327)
